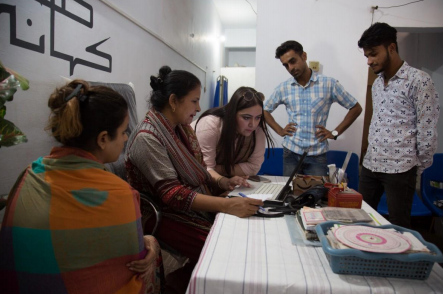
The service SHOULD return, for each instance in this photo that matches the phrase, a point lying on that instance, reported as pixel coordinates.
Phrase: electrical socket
(314, 65)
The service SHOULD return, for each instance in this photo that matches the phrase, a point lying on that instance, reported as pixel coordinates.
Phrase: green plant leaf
(3, 72)
(10, 134)
(2, 111)
(24, 83)
(6, 72)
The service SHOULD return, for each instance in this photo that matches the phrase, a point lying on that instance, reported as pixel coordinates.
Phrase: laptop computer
(278, 191)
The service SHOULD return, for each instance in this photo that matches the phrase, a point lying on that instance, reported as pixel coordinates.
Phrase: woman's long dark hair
(228, 113)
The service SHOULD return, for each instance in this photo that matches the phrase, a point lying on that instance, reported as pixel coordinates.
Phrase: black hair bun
(163, 72)
(156, 82)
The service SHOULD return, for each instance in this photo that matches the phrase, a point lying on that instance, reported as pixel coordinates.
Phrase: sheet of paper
(313, 217)
(416, 245)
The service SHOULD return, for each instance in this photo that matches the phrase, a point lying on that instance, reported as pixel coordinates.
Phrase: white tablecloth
(255, 255)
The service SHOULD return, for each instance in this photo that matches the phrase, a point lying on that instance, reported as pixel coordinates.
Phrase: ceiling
(237, 14)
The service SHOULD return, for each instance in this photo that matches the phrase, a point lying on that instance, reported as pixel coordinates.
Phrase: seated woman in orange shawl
(70, 225)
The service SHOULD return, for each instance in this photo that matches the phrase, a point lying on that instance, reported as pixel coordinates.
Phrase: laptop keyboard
(273, 189)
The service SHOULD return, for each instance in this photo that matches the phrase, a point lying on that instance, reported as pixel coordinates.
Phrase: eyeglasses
(249, 95)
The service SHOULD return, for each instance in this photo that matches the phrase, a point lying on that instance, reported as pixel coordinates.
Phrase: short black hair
(289, 45)
(379, 33)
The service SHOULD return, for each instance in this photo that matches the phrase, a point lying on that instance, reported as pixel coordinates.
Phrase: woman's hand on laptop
(242, 207)
(230, 184)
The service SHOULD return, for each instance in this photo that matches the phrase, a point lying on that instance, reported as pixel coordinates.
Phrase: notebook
(278, 191)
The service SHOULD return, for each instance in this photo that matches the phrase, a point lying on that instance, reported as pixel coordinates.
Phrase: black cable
(251, 7)
(374, 8)
(402, 4)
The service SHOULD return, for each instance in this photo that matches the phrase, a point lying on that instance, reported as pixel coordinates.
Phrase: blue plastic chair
(274, 164)
(430, 194)
(418, 208)
(352, 172)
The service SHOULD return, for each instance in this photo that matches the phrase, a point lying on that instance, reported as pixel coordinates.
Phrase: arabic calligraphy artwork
(40, 47)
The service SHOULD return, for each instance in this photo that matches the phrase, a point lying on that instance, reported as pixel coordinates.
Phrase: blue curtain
(217, 95)
(225, 92)
(217, 92)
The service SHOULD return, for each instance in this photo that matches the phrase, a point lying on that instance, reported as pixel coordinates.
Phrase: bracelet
(218, 181)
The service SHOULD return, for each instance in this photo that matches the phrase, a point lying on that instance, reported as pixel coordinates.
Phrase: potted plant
(10, 81)
(10, 134)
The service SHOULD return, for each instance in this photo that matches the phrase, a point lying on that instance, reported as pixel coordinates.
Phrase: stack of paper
(308, 232)
(312, 217)
(333, 241)
(416, 245)
(307, 219)
(351, 215)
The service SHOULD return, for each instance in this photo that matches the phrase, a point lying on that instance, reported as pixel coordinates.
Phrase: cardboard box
(349, 198)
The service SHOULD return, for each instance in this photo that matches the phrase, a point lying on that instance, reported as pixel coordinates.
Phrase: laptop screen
(282, 195)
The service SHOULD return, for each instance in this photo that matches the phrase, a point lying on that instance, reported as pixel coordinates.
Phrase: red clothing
(187, 240)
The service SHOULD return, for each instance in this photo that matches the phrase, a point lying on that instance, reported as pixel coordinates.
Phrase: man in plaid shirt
(308, 98)
(402, 136)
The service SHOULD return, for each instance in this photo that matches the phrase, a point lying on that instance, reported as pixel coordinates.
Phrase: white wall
(135, 56)
(240, 38)
(241, 57)
(430, 58)
(424, 51)
(240, 47)
(331, 38)
(238, 77)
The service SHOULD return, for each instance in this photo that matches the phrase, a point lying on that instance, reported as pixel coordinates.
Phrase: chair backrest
(127, 92)
(430, 194)
(352, 171)
(274, 164)
(417, 209)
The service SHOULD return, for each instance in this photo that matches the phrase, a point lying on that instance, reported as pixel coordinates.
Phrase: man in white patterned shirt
(308, 98)
(403, 131)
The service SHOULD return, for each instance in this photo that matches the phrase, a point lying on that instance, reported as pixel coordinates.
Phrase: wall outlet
(314, 65)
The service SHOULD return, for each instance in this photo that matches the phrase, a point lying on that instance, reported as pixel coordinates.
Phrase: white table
(255, 255)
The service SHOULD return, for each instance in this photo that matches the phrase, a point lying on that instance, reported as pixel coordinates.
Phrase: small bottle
(332, 173)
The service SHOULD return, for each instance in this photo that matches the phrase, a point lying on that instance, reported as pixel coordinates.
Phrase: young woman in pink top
(232, 138)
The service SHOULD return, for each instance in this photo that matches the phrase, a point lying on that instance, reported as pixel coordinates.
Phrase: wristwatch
(335, 134)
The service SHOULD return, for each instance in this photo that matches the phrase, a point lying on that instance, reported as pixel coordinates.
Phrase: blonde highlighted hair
(65, 121)
(78, 122)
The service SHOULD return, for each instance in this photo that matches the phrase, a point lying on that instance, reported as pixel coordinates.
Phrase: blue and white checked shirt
(403, 131)
(308, 106)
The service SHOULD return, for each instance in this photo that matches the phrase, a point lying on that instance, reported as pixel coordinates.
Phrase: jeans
(312, 165)
(400, 189)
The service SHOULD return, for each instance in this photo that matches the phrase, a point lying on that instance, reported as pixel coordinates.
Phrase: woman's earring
(173, 109)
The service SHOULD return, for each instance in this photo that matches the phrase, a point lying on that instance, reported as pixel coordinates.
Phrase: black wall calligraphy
(40, 47)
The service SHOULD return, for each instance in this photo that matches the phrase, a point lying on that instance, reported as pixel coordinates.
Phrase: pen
(244, 196)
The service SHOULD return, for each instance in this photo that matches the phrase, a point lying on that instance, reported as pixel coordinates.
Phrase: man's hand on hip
(289, 130)
(323, 133)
